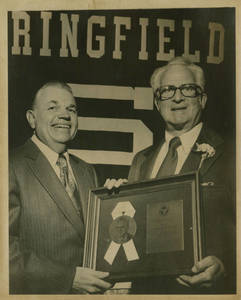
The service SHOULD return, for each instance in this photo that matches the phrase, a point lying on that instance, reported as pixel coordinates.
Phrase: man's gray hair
(53, 83)
(197, 71)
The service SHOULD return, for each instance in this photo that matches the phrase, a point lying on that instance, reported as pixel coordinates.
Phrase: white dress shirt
(52, 156)
(188, 139)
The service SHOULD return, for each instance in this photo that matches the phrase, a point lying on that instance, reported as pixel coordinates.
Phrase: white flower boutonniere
(206, 150)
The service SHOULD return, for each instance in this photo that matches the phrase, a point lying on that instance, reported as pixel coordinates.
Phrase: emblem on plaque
(164, 210)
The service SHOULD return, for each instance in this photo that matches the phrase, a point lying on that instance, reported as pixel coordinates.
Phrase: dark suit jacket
(46, 233)
(217, 177)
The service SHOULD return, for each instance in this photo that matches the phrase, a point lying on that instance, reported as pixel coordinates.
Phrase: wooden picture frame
(142, 229)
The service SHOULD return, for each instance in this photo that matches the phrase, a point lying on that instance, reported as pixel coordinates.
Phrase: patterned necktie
(169, 164)
(68, 182)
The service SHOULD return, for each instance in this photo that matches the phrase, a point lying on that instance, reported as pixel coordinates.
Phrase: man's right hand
(89, 281)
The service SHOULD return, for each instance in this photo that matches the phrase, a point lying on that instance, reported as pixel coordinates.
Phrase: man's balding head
(54, 115)
(54, 83)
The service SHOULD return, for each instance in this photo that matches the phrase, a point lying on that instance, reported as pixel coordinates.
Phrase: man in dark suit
(48, 202)
(188, 145)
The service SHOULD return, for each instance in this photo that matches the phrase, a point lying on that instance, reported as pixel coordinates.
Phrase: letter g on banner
(122, 230)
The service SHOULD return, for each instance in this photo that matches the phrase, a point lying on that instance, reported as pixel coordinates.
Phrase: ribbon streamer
(111, 252)
(130, 250)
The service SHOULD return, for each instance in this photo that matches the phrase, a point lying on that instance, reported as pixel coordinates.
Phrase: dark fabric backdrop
(28, 72)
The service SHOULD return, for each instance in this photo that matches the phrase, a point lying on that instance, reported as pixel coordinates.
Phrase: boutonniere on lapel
(206, 151)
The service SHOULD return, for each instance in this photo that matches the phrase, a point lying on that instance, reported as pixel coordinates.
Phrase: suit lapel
(194, 158)
(81, 180)
(50, 182)
(147, 166)
(209, 162)
(191, 163)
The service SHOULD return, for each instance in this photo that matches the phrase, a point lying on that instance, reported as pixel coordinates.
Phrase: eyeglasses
(187, 90)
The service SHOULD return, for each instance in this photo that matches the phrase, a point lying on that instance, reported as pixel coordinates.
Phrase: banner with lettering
(107, 57)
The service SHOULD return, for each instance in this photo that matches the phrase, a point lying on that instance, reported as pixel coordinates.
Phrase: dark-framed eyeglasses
(189, 90)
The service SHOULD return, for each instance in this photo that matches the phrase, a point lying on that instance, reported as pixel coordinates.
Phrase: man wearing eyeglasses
(180, 98)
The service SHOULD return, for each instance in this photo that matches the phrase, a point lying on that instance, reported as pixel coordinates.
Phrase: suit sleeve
(29, 273)
(94, 175)
(219, 218)
(134, 173)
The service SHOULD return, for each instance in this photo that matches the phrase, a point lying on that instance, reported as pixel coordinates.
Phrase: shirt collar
(51, 155)
(188, 138)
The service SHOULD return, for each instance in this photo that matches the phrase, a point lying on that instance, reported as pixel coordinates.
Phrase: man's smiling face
(54, 116)
(180, 112)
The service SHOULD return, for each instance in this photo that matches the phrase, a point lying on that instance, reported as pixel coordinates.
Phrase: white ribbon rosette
(122, 230)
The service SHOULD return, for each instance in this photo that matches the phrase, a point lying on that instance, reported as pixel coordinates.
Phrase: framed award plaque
(147, 228)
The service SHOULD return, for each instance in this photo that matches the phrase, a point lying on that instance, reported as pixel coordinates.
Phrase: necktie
(169, 164)
(68, 182)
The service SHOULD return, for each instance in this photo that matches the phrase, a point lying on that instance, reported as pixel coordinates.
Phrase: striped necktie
(68, 182)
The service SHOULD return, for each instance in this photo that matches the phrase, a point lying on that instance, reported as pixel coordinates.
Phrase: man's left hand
(206, 273)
